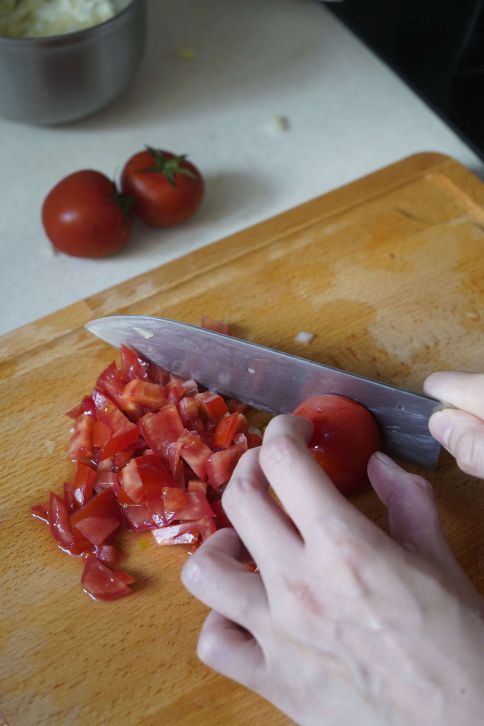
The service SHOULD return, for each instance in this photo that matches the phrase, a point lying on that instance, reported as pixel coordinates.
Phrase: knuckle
(278, 450)
(238, 489)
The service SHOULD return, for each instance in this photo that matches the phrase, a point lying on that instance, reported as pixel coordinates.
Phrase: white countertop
(348, 114)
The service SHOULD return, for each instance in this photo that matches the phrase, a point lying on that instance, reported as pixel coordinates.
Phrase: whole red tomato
(167, 189)
(345, 436)
(84, 215)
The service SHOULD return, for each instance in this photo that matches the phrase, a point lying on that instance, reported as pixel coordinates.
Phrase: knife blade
(272, 380)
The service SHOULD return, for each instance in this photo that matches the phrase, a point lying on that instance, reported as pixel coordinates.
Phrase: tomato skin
(81, 216)
(345, 436)
(158, 202)
(102, 583)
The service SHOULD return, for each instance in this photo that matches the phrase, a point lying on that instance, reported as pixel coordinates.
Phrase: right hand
(460, 430)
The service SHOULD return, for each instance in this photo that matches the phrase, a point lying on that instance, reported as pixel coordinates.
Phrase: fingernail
(307, 426)
(440, 426)
(386, 460)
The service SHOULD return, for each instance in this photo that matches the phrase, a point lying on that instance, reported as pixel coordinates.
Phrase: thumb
(462, 434)
(414, 520)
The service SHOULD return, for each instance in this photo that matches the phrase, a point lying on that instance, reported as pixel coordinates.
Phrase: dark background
(436, 46)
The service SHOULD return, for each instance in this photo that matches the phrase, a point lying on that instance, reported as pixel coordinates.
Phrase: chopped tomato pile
(151, 452)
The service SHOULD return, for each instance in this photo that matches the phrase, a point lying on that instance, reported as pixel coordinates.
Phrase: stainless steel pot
(64, 77)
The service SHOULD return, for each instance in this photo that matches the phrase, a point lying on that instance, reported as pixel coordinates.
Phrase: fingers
(412, 515)
(462, 434)
(457, 388)
(305, 491)
(260, 522)
(214, 575)
(414, 521)
(231, 651)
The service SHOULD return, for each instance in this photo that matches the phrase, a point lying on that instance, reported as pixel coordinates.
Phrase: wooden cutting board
(387, 272)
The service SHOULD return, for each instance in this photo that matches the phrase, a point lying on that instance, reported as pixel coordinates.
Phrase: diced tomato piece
(131, 484)
(101, 435)
(154, 475)
(138, 517)
(69, 499)
(213, 405)
(207, 526)
(85, 406)
(109, 413)
(180, 475)
(84, 481)
(107, 553)
(217, 325)
(61, 530)
(106, 465)
(149, 515)
(146, 394)
(41, 511)
(197, 486)
(132, 366)
(242, 425)
(157, 374)
(225, 431)
(221, 518)
(195, 453)
(59, 522)
(143, 479)
(183, 533)
(122, 457)
(101, 583)
(253, 439)
(157, 510)
(185, 506)
(120, 441)
(221, 465)
(174, 389)
(174, 500)
(111, 382)
(107, 480)
(241, 440)
(236, 406)
(161, 430)
(99, 518)
(189, 410)
(80, 444)
(127, 579)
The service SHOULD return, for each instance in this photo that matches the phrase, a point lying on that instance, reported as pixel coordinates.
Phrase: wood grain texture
(387, 272)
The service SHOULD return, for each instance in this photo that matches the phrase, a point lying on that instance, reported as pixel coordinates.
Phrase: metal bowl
(60, 78)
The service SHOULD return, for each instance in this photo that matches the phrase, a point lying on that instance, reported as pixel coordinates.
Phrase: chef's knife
(271, 380)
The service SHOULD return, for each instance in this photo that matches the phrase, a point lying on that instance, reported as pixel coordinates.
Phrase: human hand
(342, 624)
(460, 430)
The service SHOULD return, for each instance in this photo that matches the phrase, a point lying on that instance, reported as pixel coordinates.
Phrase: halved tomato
(345, 436)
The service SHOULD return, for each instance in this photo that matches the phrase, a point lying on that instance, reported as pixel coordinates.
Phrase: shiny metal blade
(271, 380)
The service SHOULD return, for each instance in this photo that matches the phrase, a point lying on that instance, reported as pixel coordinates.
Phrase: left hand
(342, 624)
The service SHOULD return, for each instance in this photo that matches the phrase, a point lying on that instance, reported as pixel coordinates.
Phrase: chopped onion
(303, 337)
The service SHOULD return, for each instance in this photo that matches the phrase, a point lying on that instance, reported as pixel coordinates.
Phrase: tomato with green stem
(166, 188)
